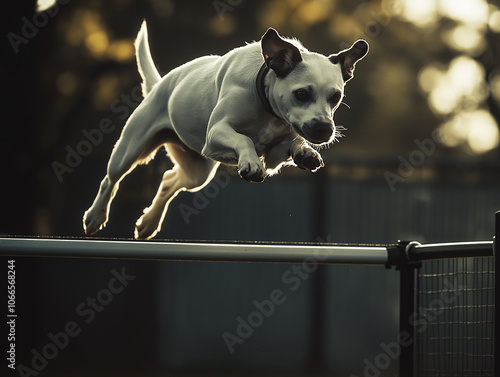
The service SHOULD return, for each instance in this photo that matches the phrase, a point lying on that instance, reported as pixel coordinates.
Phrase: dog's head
(308, 87)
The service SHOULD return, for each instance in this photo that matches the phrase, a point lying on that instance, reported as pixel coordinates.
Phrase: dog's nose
(321, 131)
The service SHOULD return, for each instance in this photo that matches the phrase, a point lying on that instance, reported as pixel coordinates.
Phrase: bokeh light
(460, 86)
(458, 91)
(472, 12)
(470, 20)
(43, 5)
(427, 12)
(422, 13)
(494, 21)
(476, 130)
(465, 38)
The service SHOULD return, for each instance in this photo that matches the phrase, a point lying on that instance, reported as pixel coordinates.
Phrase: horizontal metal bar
(235, 252)
(450, 250)
(181, 251)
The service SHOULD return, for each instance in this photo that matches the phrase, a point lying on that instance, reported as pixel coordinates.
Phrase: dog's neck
(261, 89)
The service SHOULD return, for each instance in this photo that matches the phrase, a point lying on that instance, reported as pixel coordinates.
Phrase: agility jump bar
(388, 255)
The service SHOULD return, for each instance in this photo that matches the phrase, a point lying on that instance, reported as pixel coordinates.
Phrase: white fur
(207, 111)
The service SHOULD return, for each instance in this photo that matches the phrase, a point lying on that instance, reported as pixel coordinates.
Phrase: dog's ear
(281, 56)
(348, 58)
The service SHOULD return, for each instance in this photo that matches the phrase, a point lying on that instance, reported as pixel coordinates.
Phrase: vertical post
(406, 309)
(319, 230)
(496, 247)
(400, 256)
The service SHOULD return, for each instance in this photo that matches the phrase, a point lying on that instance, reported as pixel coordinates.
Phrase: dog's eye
(302, 95)
(336, 98)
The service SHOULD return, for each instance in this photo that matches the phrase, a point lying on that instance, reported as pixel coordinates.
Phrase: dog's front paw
(251, 171)
(308, 158)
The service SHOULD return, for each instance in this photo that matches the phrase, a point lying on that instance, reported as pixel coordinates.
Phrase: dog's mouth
(318, 134)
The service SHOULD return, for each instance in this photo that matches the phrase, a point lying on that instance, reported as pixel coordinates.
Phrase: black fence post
(317, 356)
(406, 310)
(497, 295)
(398, 256)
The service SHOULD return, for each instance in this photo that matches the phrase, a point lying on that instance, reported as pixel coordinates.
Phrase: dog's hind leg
(123, 160)
(191, 172)
(137, 144)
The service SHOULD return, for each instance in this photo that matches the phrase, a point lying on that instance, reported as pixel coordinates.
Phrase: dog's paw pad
(252, 172)
(308, 159)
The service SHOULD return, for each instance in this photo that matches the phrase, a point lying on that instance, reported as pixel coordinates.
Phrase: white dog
(258, 107)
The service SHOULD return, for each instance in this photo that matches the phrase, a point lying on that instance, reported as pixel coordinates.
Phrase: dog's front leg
(226, 145)
(304, 156)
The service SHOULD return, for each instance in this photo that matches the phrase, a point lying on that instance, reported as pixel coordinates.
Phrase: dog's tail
(147, 68)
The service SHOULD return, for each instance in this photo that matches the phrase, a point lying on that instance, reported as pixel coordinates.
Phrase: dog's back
(190, 92)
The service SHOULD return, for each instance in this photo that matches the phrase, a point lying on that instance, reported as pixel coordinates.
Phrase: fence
(447, 299)
(450, 316)
(457, 336)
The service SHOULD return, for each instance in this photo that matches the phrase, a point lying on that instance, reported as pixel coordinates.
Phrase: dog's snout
(320, 131)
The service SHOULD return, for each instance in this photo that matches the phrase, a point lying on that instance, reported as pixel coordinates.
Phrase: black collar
(261, 89)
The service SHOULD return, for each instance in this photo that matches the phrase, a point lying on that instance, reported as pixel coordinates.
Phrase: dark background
(424, 109)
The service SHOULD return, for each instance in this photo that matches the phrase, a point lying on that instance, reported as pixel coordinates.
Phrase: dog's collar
(261, 89)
